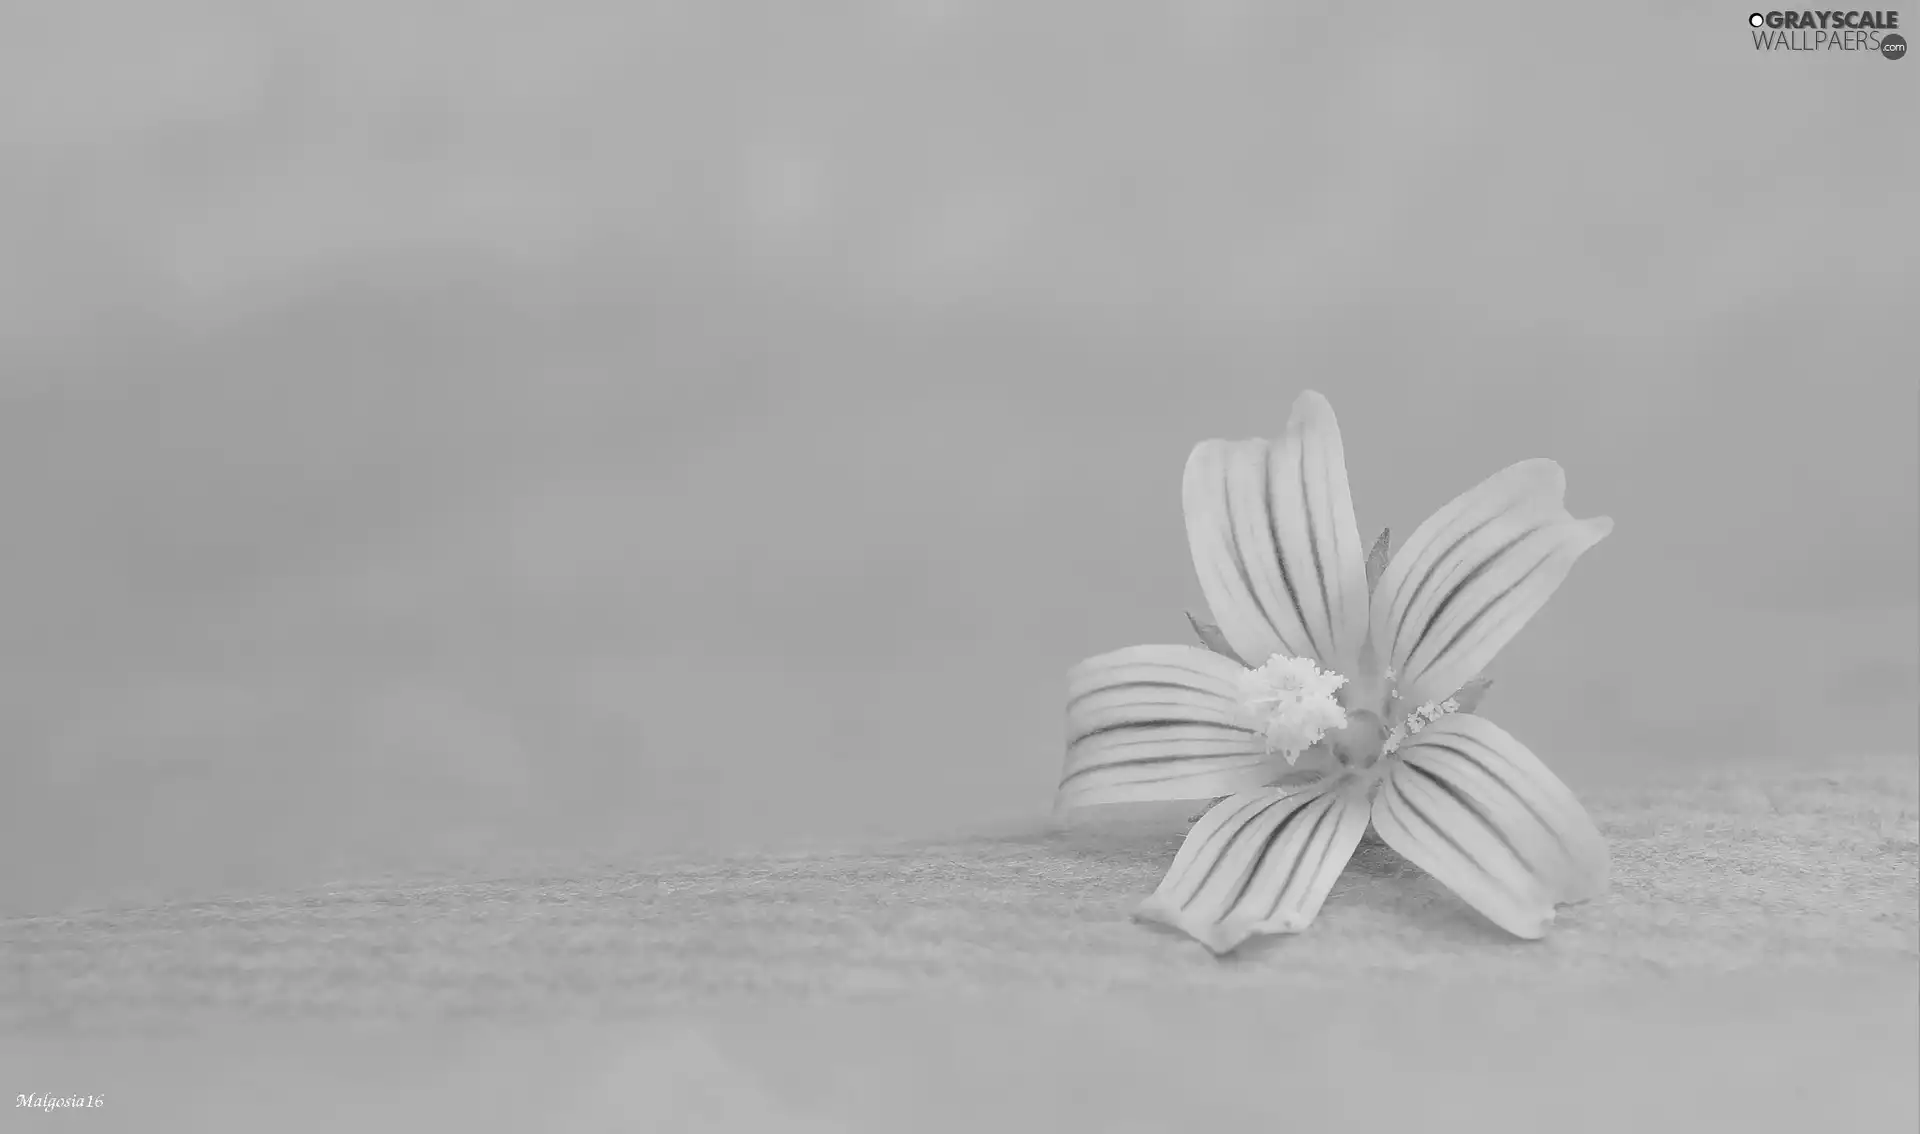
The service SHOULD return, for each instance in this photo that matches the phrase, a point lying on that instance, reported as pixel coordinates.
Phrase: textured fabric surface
(1755, 962)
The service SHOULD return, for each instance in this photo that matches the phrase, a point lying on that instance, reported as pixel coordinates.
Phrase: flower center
(1291, 702)
(1296, 705)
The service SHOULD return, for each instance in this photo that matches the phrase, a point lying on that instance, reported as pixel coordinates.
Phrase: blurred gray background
(436, 433)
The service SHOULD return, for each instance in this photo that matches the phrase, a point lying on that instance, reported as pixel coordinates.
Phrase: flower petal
(1259, 862)
(1151, 723)
(1472, 576)
(1470, 805)
(1275, 544)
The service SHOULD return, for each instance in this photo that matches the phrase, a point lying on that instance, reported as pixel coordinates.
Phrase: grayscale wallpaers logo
(1829, 31)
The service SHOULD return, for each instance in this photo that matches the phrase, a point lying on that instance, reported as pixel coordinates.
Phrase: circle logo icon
(1757, 20)
(1893, 46)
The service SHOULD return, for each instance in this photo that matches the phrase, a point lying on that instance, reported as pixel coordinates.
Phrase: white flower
(1362, 680)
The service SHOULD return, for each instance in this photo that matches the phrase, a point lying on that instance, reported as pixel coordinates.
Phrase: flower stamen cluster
(1291, 702)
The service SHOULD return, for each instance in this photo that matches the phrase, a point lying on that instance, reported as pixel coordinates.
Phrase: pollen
(1291, 702)
(1415, 721)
